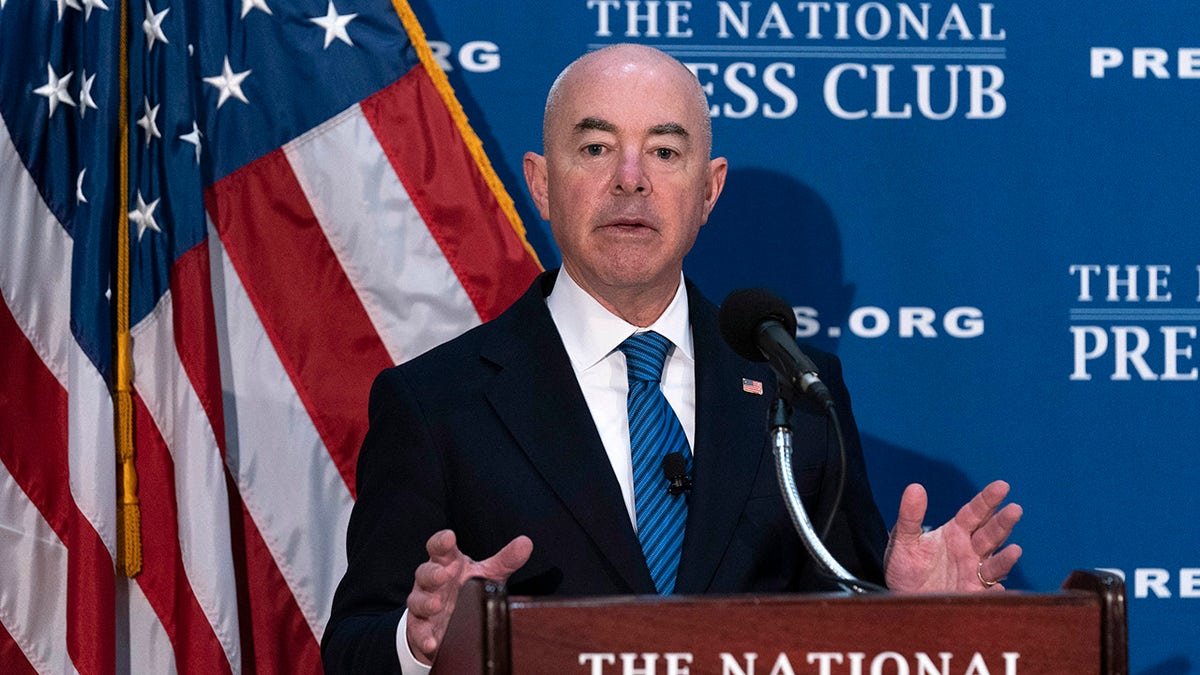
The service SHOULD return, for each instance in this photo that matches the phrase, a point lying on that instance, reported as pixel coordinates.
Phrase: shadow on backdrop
(770, 230)
(1177, 665)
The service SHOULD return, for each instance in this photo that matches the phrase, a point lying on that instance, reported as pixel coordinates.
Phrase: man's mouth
(629, 224)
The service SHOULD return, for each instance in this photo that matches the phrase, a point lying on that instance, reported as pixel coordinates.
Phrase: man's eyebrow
(595, 124)
(669, 129)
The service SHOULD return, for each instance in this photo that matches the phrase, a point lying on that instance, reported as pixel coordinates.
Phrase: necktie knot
(645, 354)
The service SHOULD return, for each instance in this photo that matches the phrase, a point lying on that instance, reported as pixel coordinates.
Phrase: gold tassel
(129, 510)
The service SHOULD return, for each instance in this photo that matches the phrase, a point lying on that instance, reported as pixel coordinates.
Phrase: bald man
(507, 453)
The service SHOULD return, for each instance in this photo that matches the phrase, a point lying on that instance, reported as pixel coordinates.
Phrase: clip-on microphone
(675, 469)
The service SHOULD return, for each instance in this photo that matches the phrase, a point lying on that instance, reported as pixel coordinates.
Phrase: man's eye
(595, 149)
(664, 153)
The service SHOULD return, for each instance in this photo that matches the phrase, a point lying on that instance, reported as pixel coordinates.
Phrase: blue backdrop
(988, 210)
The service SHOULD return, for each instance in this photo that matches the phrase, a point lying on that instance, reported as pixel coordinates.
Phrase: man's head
(626, 180)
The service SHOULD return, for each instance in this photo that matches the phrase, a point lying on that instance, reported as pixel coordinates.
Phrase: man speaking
(530, 449)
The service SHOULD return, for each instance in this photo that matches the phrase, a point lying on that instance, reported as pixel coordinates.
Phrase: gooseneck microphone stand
(781, 445)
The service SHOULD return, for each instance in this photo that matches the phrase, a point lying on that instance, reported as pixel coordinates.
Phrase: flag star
(55, 89)
(143, 215)
(85, 93)
(230, 84)
(91, 4)
(248, 5)
(194, 138)
(153, 26)
(64, 4)
(334, 25)
(79, 196)
(149, 121)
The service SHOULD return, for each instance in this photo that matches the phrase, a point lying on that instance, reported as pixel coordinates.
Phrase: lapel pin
(752, 386)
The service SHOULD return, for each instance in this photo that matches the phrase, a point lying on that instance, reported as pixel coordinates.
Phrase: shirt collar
(590, 332)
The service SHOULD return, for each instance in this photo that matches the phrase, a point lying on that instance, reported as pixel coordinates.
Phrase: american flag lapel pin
(752, 386)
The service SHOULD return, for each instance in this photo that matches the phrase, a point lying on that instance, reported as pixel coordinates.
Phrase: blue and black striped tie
(654, 432)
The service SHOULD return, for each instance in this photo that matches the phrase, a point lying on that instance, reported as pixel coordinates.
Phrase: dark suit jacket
(489, 435)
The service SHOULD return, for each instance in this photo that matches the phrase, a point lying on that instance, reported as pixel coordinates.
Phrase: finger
(976, 512)
(426, 651)
(443, 546)
(430, 576)
(423, 605)
(428, 616)
(909, 520)
(996, 530)
(1002, 562)
(507, 560)
(422, 641)
(999, 566)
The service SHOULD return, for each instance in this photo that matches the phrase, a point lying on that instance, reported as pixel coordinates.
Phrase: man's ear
(538, 182)
(718, 167)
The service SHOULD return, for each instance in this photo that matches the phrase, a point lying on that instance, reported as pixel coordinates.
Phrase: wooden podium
(1078, 631)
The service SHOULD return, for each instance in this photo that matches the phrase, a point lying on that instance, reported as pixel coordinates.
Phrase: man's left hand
(960, 556)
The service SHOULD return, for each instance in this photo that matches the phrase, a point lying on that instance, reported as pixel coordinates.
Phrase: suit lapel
(730, 426)
(536, 395)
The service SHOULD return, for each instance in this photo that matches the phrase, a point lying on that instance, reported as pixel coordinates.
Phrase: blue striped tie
(654, 432)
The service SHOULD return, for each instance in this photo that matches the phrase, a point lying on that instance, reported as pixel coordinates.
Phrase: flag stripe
(281, 640)
(424, 146)
(11, 656)
(33, 241)
(33, 588)
(196, 334)
(196, 344)
(268, 606)
(165, 579)
(34, 528)
(66, 554)
(89, 463)
(198, 473)
(303, 298)
(140, 628)
(409, 291)
(286, 477)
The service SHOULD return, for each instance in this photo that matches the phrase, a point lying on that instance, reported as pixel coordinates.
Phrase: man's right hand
(437, 582)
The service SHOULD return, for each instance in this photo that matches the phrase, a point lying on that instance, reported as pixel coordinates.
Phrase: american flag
(752, 386)
(306, 205)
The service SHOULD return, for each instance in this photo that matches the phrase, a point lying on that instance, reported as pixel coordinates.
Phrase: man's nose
(630, 176)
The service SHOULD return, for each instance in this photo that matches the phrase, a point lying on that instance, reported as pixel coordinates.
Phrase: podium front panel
(985, 634)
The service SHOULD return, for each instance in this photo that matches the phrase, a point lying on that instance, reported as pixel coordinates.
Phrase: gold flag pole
(129, 514)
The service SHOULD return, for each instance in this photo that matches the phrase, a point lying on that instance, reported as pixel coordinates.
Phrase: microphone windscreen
(742, 313)
(674, 465)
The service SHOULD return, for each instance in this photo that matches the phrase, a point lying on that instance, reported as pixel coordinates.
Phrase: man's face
(626, 181)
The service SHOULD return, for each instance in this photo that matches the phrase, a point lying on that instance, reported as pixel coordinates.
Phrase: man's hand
(437, 582)
(958, 556)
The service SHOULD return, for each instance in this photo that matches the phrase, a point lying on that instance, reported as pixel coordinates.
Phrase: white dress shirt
(591, 334)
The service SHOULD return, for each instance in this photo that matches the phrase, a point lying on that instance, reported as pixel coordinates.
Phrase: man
(520, 427)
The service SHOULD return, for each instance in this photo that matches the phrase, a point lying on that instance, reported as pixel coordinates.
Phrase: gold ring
(985, 582)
